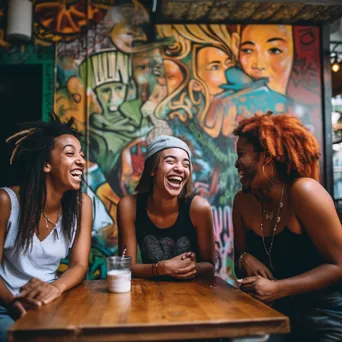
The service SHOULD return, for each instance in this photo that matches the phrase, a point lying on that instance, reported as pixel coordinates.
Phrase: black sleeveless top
(158, 244)
(292, 253)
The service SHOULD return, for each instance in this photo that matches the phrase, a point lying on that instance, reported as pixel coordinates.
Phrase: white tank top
(41, 260)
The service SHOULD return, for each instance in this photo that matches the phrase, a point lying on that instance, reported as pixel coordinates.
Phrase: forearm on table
(318, 278)
(204, 268)
(142, 271)
(71, 277)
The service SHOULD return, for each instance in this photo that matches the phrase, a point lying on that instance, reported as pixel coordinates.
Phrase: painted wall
(127, 81)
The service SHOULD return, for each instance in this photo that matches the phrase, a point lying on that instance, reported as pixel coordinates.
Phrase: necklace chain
(268, 251)
(48, 220)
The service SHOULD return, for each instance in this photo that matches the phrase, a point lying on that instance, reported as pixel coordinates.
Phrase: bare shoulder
(241, 198)
(128, 201)
(200, 212)
(304, 188)
(306, 195)
(128, 205)
(199, 203)
(5, 205)
(86, 199)
(4, 198)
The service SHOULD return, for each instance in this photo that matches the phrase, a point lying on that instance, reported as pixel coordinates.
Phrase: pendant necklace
(269, 214)
(268, 251)
(48, 220)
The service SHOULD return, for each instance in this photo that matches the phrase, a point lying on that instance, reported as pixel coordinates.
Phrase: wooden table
(152, 311)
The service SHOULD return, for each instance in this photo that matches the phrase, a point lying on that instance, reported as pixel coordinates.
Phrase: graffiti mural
(126, 81)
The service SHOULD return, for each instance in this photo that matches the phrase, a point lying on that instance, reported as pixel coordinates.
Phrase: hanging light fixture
(335, 67)
(19, 20)
(335, 55)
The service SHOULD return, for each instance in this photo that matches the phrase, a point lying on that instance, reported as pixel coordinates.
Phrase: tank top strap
(185, 204)
(141, 205)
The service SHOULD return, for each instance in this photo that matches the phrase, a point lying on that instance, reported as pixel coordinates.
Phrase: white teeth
(77, 173)
(176, 178)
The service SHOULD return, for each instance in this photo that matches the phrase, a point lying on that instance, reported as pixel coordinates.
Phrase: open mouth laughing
(175, 181)
(77, 174)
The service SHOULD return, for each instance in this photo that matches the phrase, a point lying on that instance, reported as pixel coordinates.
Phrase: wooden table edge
(188, 331)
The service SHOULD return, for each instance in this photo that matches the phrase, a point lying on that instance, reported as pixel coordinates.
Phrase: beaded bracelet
(241, 259)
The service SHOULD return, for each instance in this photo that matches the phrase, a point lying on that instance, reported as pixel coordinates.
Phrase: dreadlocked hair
(283, 137)
(31, 151)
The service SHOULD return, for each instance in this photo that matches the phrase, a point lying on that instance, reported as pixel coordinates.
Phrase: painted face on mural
(74, 102)
(173, 74)
(111, 96)
(172, 172)
(248, 165)
(212, 63)
(267, 51)
(147, 65)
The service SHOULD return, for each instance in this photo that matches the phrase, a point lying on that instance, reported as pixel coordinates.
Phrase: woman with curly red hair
(288, 238)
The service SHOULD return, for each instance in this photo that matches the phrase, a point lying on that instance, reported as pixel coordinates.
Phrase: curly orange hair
(286, 139)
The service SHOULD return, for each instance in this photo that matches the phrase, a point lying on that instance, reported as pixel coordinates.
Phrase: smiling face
(212, 64)
(249, 165)
(172, 173)
(65, 168)
(267, 51)
(111, 96)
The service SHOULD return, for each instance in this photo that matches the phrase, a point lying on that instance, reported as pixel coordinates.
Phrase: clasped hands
(259, 282)
(34, 294)
(182, 266)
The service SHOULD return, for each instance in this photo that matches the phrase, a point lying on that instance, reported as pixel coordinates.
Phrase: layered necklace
(268, 251)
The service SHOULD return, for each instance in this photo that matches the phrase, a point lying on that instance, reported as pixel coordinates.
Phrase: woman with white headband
(172, 226)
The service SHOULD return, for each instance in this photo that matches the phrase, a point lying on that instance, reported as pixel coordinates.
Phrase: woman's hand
(182, 266)
(17, 308)
(253, 267)
(37, 292)
(260, 288)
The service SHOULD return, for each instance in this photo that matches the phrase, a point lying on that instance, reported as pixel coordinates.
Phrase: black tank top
(292, 253)
(158, 244)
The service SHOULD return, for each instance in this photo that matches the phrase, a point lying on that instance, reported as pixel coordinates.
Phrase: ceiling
(280, 11)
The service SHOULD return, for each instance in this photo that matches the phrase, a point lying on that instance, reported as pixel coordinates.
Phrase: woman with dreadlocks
(288, 238)
(41, 219)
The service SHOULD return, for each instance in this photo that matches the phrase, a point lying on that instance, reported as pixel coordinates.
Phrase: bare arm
(244, 262)
(324, 229)
(239, 234)
(80, 250)
(127, 236)
(6, 297)
(202, 219)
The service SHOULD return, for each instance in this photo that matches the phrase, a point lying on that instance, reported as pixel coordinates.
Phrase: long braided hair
(32, 150)
(293, 147)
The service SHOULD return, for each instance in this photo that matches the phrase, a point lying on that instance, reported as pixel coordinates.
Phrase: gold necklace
(268, 251)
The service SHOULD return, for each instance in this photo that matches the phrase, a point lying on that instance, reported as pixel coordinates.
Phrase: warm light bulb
(335, 67)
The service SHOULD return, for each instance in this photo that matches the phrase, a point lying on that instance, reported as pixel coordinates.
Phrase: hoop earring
(263, 171)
